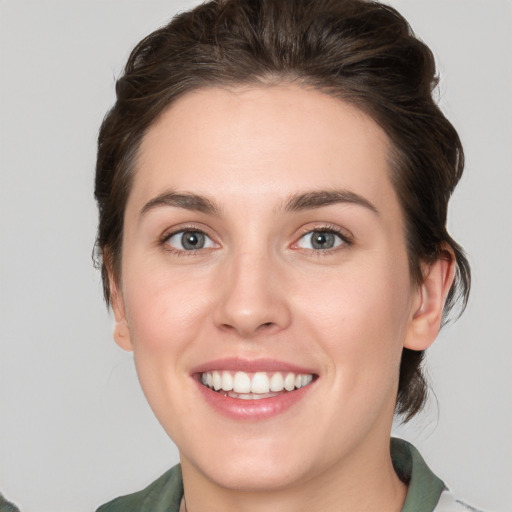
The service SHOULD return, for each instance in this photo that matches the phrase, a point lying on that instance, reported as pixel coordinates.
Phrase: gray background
(75, 429)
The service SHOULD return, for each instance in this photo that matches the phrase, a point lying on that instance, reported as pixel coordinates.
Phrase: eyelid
(345, 235)
(184, 228)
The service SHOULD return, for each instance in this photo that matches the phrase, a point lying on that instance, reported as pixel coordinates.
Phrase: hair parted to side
(360, 51)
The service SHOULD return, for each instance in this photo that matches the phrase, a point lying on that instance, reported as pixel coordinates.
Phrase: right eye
(189, 240)
(321, 240)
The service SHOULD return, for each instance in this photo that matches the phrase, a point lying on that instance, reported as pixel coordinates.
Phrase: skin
(258, 290)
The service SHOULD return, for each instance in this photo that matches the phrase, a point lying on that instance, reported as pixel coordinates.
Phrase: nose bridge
(251, 298)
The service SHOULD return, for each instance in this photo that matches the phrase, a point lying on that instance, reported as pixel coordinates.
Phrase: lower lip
(252, 410)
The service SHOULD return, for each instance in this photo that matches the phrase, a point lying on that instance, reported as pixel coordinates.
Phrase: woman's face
(264, 246)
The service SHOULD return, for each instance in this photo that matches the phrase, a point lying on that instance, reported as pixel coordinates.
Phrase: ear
(427, 311)
(121, 330)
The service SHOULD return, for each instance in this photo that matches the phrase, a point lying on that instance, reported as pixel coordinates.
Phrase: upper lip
(250, 366)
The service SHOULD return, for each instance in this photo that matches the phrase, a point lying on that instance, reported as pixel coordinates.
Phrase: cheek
(164, 310)
(361, 318)
(165, 313)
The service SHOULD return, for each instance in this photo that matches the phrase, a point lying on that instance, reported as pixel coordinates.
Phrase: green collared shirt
(164, 495)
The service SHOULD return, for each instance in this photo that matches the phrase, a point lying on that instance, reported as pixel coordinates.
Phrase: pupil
(322, 240)
(192, 240)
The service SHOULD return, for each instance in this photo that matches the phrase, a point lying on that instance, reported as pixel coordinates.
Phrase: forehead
(262, 141)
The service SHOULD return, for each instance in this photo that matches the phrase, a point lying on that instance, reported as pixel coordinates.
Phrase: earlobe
(427, 311)
(121, 330)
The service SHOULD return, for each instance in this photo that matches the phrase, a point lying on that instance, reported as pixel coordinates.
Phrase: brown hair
(360, 51)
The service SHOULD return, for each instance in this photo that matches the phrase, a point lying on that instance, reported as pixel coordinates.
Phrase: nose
(252, 298)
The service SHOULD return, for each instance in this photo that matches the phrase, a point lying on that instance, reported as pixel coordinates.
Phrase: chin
(253, 467)
(255, 475)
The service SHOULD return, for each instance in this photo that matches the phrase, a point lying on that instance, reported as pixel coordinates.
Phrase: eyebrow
(183, 200)
(296, 202)
(320, 198)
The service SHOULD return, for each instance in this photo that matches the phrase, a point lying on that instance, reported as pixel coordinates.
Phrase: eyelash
(183, 229)
(346, 240)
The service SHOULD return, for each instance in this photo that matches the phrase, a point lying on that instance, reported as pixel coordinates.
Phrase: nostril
(267, 326)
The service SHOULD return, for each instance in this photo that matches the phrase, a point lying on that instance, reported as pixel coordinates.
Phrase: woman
(273, 184)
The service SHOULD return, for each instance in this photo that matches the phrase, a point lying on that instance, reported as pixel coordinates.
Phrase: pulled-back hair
(362, 52)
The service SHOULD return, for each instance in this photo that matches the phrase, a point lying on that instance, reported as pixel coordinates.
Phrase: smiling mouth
(254, 386)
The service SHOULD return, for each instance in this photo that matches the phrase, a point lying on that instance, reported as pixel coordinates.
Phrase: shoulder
(448, 503)
(426, 492)
(164, 494)
(7, 506)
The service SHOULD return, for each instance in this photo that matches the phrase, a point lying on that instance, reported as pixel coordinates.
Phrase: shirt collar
(425, 488)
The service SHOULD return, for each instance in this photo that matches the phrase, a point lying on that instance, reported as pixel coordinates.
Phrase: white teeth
(289, 382)
(217, 381)
(241, 383)
(251, 396)
(260, 383)
(276, 382)
(227, 381)
(307, 379)
(249, 386)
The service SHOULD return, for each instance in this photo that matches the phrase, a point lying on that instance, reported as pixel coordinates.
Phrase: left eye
(190, 241)
(320, 240)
